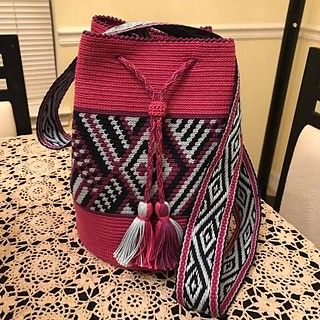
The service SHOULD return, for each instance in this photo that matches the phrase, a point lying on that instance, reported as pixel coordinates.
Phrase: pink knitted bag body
(158, 164)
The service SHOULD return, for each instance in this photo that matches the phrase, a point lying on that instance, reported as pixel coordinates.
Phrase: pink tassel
(136, 245)
(168, 239)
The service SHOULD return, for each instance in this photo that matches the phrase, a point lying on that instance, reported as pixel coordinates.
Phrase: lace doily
(45, 273)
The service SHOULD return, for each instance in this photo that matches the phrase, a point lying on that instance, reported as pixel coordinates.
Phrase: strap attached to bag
(176, 30)
(207, 278)
(49, 128)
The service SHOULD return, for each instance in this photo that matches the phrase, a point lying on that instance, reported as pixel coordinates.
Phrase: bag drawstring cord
(140, 246)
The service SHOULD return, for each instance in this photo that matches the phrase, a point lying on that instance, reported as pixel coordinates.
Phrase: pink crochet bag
(158, 165)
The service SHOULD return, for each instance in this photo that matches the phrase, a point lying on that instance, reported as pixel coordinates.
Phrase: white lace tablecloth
(45, 272)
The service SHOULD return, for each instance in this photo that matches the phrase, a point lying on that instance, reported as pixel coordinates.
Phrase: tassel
(168, 239)
(135, 247)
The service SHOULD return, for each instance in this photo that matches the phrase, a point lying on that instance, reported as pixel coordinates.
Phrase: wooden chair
(15, 92)
(298, 191)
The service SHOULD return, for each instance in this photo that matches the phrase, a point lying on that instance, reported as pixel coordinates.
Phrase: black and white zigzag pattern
(116, 148)
(190, 136)
(236, 258)
(198, 271)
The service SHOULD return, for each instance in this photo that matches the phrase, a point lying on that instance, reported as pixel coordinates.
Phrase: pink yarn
(166, 248)
(205, 91)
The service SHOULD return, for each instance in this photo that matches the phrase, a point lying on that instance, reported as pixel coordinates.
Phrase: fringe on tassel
(136, 245)
(142, 257)
(168, 239)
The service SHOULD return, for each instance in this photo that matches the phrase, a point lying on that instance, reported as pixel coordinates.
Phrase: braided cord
(155, 134)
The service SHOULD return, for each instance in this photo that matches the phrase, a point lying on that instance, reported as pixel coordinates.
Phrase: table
(45, 272)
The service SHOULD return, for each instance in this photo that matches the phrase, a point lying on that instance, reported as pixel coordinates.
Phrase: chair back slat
(15, 93)
(305, 114)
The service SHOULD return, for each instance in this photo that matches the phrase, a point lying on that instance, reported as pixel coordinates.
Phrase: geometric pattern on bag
(109, 161)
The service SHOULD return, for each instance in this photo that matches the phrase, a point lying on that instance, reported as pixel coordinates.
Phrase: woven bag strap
(209, 275)
(49, 128)
(176, 30)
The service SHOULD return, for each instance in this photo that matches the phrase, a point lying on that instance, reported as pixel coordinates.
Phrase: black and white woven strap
(208, 275)
(49, 129)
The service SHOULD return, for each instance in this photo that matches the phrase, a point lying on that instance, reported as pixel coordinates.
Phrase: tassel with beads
(168, 239)
(136, 245)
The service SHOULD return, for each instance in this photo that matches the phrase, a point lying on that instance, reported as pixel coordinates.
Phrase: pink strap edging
(215, 276)
(230, 295)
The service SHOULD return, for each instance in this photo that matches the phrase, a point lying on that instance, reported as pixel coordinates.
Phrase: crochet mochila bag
(160, 177)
